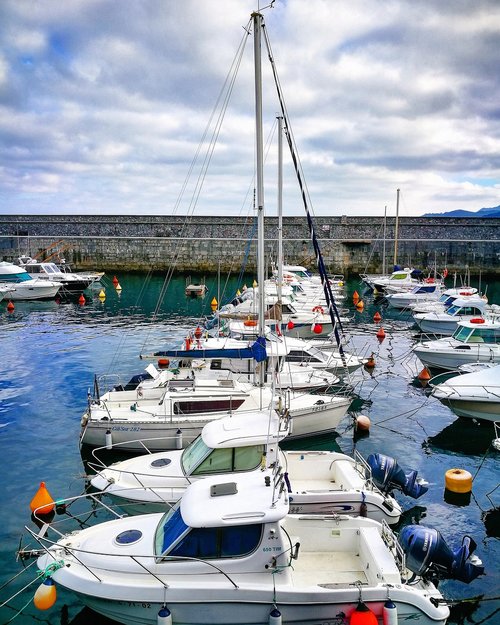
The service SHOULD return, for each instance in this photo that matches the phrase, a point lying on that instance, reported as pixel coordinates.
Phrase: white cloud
(103, 104)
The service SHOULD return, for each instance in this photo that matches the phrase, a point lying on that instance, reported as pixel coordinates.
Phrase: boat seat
(375, 553)
(346, 475)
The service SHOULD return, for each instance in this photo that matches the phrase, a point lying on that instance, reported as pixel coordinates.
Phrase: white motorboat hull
(437, 326)
(453, 358)
(241, 606)
(481, 410)
(27, 290)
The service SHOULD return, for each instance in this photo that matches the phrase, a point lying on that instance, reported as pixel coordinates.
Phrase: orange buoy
(377, 317)
(370, 363)
(381, 334)
(458, 481)
(360, 305)
(45, 595)
(115, 280)
(10, 306)
(188, 342)
(249, 323)
(355, 297)
(424, 375)
(198, 333)
(81, 300)
(163, 363)
(362, 615)
(317, 328)
(42, 502)
(363, 422)
(213, 304)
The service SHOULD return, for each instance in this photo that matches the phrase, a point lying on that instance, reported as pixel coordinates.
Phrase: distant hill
(482, 212)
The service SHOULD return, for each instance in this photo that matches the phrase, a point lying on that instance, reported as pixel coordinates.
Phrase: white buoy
(164, 616)
(109, 439)
(390, 613)
(178, 439)
(275, 617)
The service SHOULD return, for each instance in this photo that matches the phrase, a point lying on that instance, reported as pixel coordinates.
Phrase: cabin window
(218, 542)
(231, 459)
(219, 405)
(216, 364)
(300, 356)
(285, 308)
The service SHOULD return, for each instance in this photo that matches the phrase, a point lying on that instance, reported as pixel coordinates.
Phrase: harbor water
(51, 351)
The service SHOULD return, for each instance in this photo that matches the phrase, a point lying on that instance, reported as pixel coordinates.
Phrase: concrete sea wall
(203, 244)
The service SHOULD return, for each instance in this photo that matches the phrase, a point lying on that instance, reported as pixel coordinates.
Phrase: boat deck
(328, 569)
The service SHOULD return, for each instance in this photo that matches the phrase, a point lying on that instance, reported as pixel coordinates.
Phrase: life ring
(477, 320)
(458, 481)
(319, 309)
(250, 323)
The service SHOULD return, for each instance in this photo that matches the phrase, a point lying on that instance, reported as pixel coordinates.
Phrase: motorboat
(399, 279)
(476, 340)
(445, 300)
(445, 322)
(230, 553)
(318, 482)
(425, 292)
(474, 395)
(24, 287)
(72, 283)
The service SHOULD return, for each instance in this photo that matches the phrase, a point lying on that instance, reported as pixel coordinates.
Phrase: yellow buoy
(254, 284)
(42, 502)
(213, 304)
(238, 293)
(458, 481)
(45, 595)
(360, 305)
(102, 294)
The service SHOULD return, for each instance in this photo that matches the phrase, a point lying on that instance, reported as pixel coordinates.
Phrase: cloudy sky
(104, 105)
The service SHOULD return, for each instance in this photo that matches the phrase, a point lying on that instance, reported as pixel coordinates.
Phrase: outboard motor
(427, 554)
(388, 475)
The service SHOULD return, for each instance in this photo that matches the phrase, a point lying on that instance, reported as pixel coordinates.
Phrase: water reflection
(463, 436)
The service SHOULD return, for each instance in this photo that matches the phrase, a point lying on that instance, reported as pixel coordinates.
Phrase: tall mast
(257, 29)
(385, 234)
(280, 207)
(396, 227)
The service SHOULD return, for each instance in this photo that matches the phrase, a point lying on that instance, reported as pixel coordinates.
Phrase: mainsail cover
(256, 352)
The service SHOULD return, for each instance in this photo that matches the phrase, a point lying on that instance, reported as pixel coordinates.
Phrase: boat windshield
(170, 528)
(174, 538)
(193, 455)
(50, 268)
(198, 459)
(462, 333)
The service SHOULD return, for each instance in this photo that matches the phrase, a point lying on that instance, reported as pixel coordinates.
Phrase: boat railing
(46, 543)
(364, 469)
(390, 539)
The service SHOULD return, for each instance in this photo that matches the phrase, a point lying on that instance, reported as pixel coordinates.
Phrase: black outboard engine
(428, 555)
(388, 475)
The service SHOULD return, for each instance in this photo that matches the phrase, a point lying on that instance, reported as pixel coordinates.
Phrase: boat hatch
(228, 488)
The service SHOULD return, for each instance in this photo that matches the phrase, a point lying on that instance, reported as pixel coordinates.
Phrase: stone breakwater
(203, 244)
